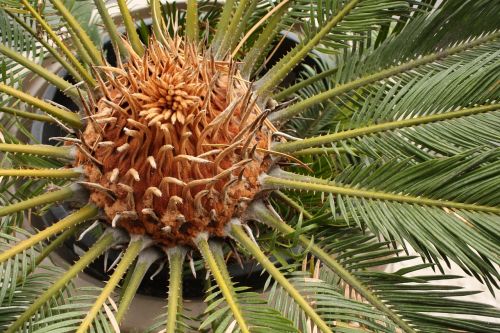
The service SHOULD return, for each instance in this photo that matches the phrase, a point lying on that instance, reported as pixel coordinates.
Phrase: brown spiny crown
(175, 144)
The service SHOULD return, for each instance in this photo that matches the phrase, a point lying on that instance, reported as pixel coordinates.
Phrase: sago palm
(194, 148)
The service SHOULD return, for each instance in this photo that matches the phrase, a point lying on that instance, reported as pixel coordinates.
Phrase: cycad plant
(195, 150)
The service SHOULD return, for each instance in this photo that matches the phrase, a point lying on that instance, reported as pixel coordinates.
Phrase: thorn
(172, 180)
(126, 187)
(213, 214)
(92, 226)
(191, 264)
(173, 202)
(157, 271)
(114, 175)
(106, 120)
(181, 219)
(153, 190)
(123, 147)
(150, 212)
(152, 161)
(117, 260)
(115, 220)
(63, 138)
(133, 172)
(250, 233)
(131, 132)
(105, 144)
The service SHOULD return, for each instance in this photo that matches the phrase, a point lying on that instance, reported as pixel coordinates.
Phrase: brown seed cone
(175, 141)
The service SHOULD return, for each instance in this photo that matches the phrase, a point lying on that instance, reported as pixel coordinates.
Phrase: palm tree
(193, 150)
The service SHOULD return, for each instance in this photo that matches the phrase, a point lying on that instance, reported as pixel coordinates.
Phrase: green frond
(238, 232)
(144, 262)
(132, 35)
(454, 52)
(223, 284)
(446, 203)
(70, 118)
(46, 198)
(69, 221)
(131, 253)
(97, 249)
(174, 303)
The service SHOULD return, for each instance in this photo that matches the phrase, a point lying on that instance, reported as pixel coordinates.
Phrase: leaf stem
(265, 216)
(111, 29)
(296, 108)
(26, 114)
(131, 253)
(223, 284)
(239, 234)
(299, 182)
(132, 34)
(222, 25)
(80, 33)
(291, 147)
(57, 56)
(192, 21)
(69, 221)
(175, 259)
(40, 150)
(48, 75)
(145, 260)
(46, 27)
(49, 197)
(95, 251)
(41, 173)
(71, 118)
(233, 23)
(279, 71)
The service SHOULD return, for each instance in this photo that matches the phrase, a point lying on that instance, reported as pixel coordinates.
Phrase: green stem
(299, 182)
(131, 253)
(158, 23)
(291, 147)
(41, 173)
(132, 34)
(239, 234)
(56, 80)
(41, 150)
(57, 56)
(46, 198)
(224, 285)
(60, 44)
(176, 259)
(71, 118)
(293, 204)
(292, 59)
(145, 260)
(265, 38)
(266, 217)
(303, 83)
(295, 109)
(26, 114)
(111, 29)
(325, 150)
(46, 251)
(95, 251)
(222, 26)
(192, 21)
(79, 32)
(229, 34)
(69, 221)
